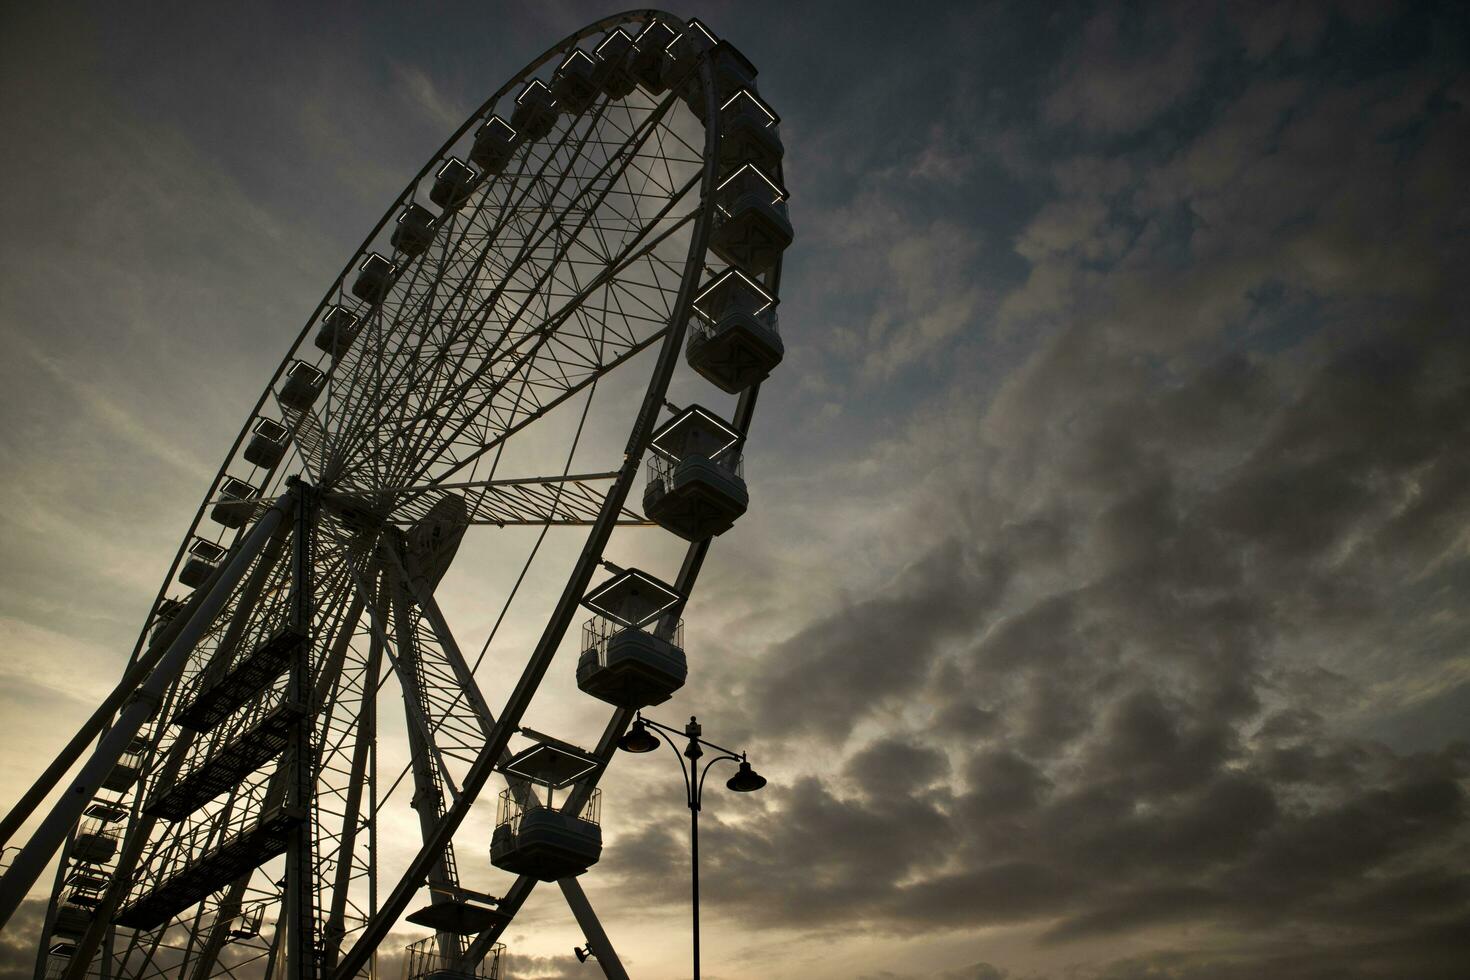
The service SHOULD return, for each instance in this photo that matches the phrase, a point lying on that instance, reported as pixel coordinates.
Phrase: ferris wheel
(497, 355)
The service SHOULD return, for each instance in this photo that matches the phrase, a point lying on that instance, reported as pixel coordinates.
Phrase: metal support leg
(597, 940)
(367, 727)
(301, 946)
(137, 710)
(415, 719)
(423, 597)
(141, 825)
(428, 797)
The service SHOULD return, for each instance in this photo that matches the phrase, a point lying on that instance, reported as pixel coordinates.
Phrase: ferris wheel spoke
(541, 336)
(457, 393)
(628, 152)
(536, 501)
(492, 234)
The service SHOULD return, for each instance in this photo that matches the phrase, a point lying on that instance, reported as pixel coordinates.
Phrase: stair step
(253, 674)
(228, 766)
(244, 852)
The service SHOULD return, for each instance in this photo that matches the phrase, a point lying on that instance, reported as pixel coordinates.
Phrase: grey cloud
(17, 948)
(975, 971)
(896, 766)
(826, 678)
(519, 966)
(1142, 724)
(1125, 70)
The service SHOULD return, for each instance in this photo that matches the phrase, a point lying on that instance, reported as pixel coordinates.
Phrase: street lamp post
(746, 780)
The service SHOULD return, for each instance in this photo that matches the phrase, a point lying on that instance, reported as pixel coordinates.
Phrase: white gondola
(203, 557)
(731, 72)
(267, 443)
(648, 55)
(124, 773)
(167, 609)
(339, 328)
(680, 71)
(532, 836)
(71, 922)
(195, 572)
(733, 340)
(629, 667)
(695, 487)
(750, 133)
(453, 183)
(95, 843)
(431, 959)
(239, 504)
(303, 384)
(59, 962)
(535, 111)
(413, 232)
(374, 278)
(574, 84)
(495, 144)
(625, 662)
(752, 228)
(614, 56)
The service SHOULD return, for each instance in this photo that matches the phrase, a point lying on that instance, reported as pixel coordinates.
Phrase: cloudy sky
(1095, 616)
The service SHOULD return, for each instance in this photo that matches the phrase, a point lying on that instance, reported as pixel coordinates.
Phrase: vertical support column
(301, 955)
(362, 776)
(428, 797)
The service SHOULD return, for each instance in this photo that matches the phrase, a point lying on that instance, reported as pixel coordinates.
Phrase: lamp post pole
(694, 863)
(745, 780)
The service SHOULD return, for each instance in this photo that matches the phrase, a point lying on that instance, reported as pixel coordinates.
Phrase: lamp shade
(638, 739)
(746, 780)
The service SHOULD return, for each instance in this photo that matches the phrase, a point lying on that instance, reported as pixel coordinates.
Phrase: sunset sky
(1095, 615)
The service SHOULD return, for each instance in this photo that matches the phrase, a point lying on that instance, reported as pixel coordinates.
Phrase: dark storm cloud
(825, 678)
(1243, 431)
(897, 765)
(17, 946)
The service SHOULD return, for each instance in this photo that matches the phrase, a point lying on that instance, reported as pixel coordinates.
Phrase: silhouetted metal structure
(595, 209)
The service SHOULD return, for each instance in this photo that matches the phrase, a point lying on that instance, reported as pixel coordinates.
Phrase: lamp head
(746, 780)
(638, 739)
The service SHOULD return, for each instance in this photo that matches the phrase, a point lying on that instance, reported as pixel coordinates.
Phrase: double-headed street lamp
(746, 780)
